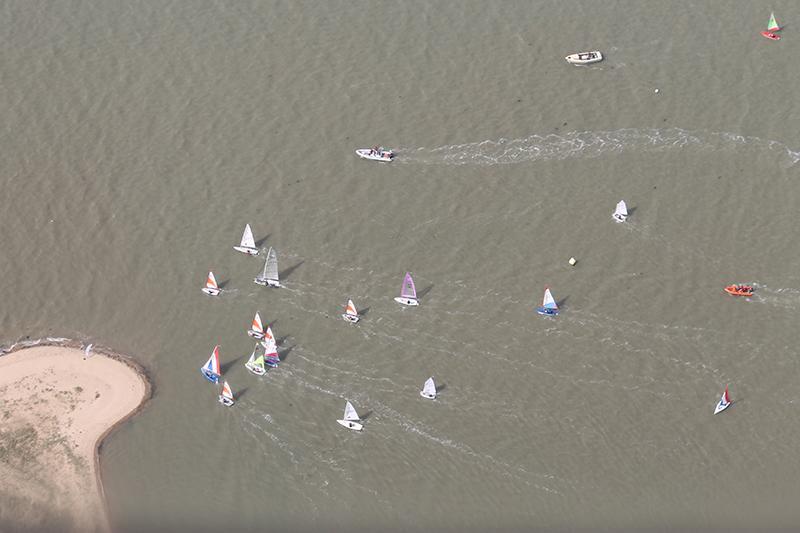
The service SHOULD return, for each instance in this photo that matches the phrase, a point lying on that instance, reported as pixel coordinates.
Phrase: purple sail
(408, 290)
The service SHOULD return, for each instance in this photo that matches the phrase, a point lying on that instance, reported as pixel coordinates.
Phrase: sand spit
(56, 408)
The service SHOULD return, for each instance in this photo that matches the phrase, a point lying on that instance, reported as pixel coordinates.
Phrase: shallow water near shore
(141, 137)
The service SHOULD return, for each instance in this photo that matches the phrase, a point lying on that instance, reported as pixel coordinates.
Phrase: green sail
(773, 24)
(259, 362)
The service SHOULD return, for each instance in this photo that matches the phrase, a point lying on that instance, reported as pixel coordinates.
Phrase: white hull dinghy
(408, 292)
(584, 58)
(429, 389)
(621, 212)
(269, 276)
(256, 364)
(351, 419)
(350, 313)
(376, 153)
(211, 288)
(256, 328)
(248, 243)
(723, 402)
(226, 398)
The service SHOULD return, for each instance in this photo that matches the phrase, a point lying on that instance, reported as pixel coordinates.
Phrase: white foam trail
(588, 144)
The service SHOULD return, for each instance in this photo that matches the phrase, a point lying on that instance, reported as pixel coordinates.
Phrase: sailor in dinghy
(408, 292)
(621, 212)
(723, 402)
(256, 328)
(429, 389)
(256, 364)
(226, 397)
(211, 370)
(351, 420)
(549, 306)
(248, 243)
(350, 313)
(211, 288)
(269, 276)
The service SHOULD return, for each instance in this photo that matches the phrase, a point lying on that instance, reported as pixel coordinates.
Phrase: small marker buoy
(657, 91)
(572, 261)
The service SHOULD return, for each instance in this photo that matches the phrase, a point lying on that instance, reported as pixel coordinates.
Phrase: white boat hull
(584, 58)
(257, 370)
(721, 407)
(227, 402)
(350, 318)
(406, 301)
(385, 156)
(246, 250)
(255, 334)
(355, 426)
(427, 395)
(210, 291)
(619, 218)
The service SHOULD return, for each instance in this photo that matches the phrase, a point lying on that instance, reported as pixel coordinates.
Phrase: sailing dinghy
(621, 212)
(351, 419)
(723, 402)
(549, 306)
(408, 292)
(256, 328)
(350, 313)
(271, 357)
(429, 389)
(376, 153)
(211, 369)
(269, 276)
(256, 364)
(772, 27)
(226, 397)
(211, 288)
(248, 243)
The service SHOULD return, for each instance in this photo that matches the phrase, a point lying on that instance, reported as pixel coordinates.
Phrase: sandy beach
(56, 408)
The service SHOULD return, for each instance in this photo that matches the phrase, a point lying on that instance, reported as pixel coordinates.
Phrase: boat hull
(771, 36)
(267, 282)
(426, 395)
(584, 58)
(355, 426)
(272, 363)
(255, 334)
(619, 218)
(407, 301)
(546, 312)
(246, 250)
(384, 156)
(257, 370)
(211, 291)
(721, 407)
(350, 318)
(733, 291)
(227, 402)
(213, 378)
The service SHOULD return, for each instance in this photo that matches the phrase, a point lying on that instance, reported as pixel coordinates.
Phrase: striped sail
(257, 326)
(773, 24)
(350, 310)
(408, 290)
(211, 369)
(226, 391)
(247, 238)
(211, 281)
(548, 302)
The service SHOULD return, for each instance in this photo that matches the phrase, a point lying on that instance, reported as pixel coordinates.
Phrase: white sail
(429, 389)
(621, 212)
(252, 356)
(350, 412)
(271, 266)
(247, 238)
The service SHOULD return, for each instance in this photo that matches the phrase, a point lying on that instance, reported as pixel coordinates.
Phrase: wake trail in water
(589, 144)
